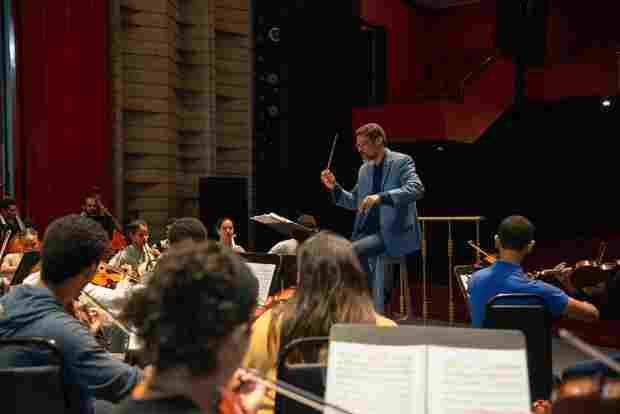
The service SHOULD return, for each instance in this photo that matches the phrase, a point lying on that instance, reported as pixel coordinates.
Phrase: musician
(385, 199)
(225, 228)
(290, 246)
(163, 244)
(92, 209)
(193, 356)
(11, 261)
(332, 288)
(138, 255)
(9, 216)
(514, 241)
(187, 228)
(72, 249)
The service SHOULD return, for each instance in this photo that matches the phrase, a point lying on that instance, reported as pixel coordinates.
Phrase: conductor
(385, 199)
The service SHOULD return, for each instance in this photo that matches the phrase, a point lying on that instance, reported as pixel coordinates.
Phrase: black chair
(309, 377)
(31, 378)
(529, 314)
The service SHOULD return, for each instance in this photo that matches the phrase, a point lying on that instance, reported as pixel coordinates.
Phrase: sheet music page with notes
(477, 381)
(264, 273)
(368, 378)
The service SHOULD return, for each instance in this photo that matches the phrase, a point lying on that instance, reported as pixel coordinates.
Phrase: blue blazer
(400, 228)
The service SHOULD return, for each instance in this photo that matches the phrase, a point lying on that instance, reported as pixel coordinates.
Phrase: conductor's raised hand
(328, 179)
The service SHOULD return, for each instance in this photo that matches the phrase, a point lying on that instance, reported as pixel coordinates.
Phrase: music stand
(29, 260)
(285, 274)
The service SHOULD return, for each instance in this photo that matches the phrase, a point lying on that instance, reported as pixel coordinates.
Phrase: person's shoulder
(399, 156)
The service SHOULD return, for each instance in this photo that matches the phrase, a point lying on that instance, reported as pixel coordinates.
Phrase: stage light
(274, 34)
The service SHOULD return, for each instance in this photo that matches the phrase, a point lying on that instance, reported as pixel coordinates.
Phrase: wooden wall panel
(181, 86)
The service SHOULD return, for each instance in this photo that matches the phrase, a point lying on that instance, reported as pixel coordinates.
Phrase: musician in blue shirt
(514, 241)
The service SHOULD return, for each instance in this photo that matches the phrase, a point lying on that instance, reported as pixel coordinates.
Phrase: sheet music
(365, 378)
(477, 381)
(271, 218)
(264, 273)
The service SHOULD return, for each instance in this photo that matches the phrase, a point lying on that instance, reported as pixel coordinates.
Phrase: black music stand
(29, 260)
(284, 226)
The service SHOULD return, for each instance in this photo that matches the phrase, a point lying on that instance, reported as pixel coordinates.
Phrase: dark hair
(221, 221)
(171, 221)
(197, 296)
(308, 221)
(373, 132)
(6, 203)
(134, 226)
(332, 289)
(187, 228)
(515, 232)
(71, 244)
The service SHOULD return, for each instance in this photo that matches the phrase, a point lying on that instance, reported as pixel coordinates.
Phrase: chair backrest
(529, 314)
(309, 377)
(31, 377)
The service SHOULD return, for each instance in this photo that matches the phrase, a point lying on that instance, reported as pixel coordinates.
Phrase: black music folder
(28, 262)
(283, 225)
(427, 370)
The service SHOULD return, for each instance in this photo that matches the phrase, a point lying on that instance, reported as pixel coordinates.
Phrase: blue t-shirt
(506, 277)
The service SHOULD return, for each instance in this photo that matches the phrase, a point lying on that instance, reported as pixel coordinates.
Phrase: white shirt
(285, 247)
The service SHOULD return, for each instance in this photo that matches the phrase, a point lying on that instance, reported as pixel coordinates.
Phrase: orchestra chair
(529, 314)
(37, 387)
(402, 309)
(309, 377)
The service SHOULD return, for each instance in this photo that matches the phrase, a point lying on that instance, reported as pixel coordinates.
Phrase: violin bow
(301, 396)
(104, 310)
(589, 350)
(478, 249)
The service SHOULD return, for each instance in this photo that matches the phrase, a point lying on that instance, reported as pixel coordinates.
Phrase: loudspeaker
(302, 97)
(521, 29)
(226, 197)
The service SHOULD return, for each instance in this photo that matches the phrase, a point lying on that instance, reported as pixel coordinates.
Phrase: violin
(108, 276)
(275, 299)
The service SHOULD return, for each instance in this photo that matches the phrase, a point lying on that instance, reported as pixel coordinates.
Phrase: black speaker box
(226, 197)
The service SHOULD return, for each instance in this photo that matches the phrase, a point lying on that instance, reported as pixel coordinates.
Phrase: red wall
(429, 49)
(64, 144)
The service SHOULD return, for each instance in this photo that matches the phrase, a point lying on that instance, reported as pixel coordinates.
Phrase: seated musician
(10, 263)
(9, 217)
(72, 249)
(332, 289)
(139, 256)
(225, 228)
(515, 240)
(92, 209)
(290, 246)
(193, 356)
(163, 244)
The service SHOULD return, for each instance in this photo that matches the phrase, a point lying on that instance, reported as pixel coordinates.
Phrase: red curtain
(63, 146)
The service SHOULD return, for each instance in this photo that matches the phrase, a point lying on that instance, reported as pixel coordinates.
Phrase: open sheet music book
(281, 224)
(427, 370)
(264, 273)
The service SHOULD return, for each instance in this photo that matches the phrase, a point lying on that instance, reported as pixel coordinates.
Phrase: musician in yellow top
(332, 288)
